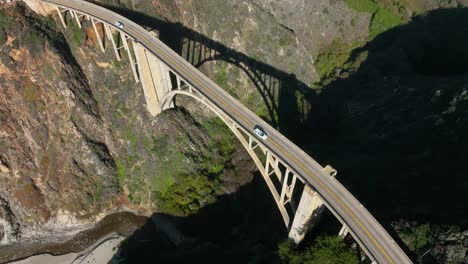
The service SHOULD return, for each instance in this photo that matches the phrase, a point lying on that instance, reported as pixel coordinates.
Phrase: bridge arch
(265, 162)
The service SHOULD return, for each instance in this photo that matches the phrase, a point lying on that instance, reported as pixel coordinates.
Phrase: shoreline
(123, 223)
(101, 251)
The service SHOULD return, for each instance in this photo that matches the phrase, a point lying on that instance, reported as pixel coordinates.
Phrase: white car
(119, 24)
(260, 132)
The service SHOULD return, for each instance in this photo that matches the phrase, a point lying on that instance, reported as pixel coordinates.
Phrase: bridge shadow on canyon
(396, 128)
(278, 89)
(238, 228)
(242, 227)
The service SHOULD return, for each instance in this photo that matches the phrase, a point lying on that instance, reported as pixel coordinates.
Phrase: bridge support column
(59, 12)
(77, 18)
(343, 231)
(287, 190)
(98, 36)
(308, 212)
(110, 36)
(130, 56)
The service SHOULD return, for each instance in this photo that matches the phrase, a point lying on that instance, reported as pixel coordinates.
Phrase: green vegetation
(363, 5)
(188, 194)
(224, 138)
(185, 180)
(3, 116)
(172, 162)
(263, 113)
(337, 55)
(3, 37)
(34, 40)
(117, 64)
(220, 77)
(89, 201)
(30, 92)
(98, 189)
(5, 22)
(131, 136)
(121, 172)
(129, 171)
(383, 20)
(286, 40)
(324, 249)
(417, 238)
(385, 14)
(77, 34)
(33, 35)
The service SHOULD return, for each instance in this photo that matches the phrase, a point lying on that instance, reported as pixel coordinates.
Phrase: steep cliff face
(54, 155)
(155, 155)
(76, 140)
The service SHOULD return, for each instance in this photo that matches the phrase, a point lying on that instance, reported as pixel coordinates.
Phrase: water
(123, 223)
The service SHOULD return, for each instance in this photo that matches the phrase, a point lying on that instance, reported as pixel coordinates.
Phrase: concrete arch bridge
(165, 75)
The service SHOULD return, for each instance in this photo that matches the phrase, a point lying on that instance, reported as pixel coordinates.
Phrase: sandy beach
(101, 252)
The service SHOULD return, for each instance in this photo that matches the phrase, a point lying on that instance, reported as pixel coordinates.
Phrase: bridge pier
(153, 78)
(343, 231)
(309, 210)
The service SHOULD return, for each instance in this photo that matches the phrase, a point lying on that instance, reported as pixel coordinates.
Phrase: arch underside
(270, 167)
(267, 86)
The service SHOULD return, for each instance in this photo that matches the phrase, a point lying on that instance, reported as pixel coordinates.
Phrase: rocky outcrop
(53, 160)
(76, 140)
(444, 243)
(451, 244)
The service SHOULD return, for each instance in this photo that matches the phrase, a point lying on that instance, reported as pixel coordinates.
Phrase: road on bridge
(360, 223)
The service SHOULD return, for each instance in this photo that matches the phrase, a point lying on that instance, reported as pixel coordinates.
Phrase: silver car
(119, 24)
(260, 132)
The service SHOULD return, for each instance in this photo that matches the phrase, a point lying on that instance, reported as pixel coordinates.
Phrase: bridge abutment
(40, 8)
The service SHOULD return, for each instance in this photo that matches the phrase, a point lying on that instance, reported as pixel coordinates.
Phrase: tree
(323, 249)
